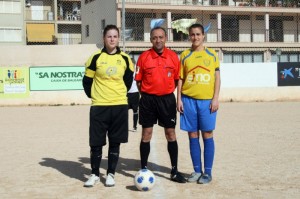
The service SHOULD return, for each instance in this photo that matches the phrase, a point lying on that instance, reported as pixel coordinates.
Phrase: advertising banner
(53, 78)
(14, 82)
(288, 73)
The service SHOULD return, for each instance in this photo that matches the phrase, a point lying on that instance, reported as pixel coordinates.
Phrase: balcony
(138, 34)
(70, 16)
(48, 15)
(68, 39)
(249, 3)
(39, 15)
(67, 10)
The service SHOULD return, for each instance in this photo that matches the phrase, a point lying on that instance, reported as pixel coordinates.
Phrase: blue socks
(209, 152)
(195, 152)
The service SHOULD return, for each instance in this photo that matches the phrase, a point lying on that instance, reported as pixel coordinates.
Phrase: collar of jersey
(154, 54)
(117, 52)
(198, 51)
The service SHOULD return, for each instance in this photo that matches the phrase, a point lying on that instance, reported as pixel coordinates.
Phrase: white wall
(248, 75)
(92, 14)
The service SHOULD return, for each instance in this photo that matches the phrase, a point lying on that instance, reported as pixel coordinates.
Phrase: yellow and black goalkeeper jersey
(108, 77)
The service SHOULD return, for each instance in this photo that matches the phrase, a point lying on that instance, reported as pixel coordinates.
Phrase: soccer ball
(144, 180)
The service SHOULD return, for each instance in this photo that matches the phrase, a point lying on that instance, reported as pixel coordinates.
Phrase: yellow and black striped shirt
(108, 77)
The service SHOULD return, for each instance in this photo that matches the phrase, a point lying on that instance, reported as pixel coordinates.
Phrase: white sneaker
(93, 179)
(110, 180)
(194, 177)
(133, 130)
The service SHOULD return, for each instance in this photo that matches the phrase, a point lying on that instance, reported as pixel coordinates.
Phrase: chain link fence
(242, 28)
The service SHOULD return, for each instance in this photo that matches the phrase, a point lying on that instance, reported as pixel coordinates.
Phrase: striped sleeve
(128, 75)
(90, 70)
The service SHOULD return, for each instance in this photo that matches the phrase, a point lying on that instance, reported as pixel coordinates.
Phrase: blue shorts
(197, 115)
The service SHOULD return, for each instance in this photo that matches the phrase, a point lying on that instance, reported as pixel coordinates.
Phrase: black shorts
(108, 120)
(154, 108)
(133, 101)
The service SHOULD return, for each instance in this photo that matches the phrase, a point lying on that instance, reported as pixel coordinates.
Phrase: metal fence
(234, 28)
(245, 28)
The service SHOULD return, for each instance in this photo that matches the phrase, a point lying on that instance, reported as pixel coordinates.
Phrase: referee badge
(169, 74)
(137, 70)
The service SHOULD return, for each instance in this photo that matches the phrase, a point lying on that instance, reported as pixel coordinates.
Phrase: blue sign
(288, 73)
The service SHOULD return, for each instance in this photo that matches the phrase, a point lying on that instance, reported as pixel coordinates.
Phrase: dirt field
(44, 154)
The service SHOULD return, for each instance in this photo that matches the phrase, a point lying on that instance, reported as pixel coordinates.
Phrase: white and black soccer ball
(144, 180)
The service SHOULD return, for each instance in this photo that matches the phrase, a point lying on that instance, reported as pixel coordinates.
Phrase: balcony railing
(68, 40)
(134, 34)
(59, 40)
(258, 3)
(46, 15)
(39, 15)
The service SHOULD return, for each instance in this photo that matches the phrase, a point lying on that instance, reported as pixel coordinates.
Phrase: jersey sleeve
(139, 69)
(181, 74)
(177, 65)
(90, 70)
(217, 64)
(128, 75)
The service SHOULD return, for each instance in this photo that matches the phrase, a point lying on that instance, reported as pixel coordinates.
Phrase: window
(247, 58)
(258, 57)
(285, 57)
(294, 57)
(230, 28)
(102, 24)
(10, 6)
(87, 31)
(242, 57)
(10, 34)
(276, 29)
(88, 1)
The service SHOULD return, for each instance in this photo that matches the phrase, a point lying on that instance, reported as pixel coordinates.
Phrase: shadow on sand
(78, 170)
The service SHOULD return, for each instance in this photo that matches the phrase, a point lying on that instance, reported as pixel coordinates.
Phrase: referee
(157, 75)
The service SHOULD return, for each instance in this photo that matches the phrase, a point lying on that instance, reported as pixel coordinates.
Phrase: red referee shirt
(157, 73)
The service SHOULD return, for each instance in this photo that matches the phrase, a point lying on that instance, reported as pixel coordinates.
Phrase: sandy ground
(44, 153)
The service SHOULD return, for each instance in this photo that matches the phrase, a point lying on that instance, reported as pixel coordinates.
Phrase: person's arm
(176, 83)
(179, 102)
(128, 78)
(138, 84)
(139, 74)
(87, 85)
(215, 100)
(88, 77)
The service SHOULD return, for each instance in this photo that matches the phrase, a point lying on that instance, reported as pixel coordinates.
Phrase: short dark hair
(110, 27)
(197, 25)
(158, 28)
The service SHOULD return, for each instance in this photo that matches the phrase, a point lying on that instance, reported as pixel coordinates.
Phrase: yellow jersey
(197, 71)
(111, 76)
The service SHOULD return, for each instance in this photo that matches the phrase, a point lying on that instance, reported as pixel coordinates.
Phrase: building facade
(40, 22)
(245, 31)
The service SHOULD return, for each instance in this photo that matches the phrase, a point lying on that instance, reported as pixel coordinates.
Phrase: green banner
(51, 78)
(14, 81)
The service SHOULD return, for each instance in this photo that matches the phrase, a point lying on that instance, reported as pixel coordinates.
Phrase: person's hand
(214, 106)
(179, 106)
